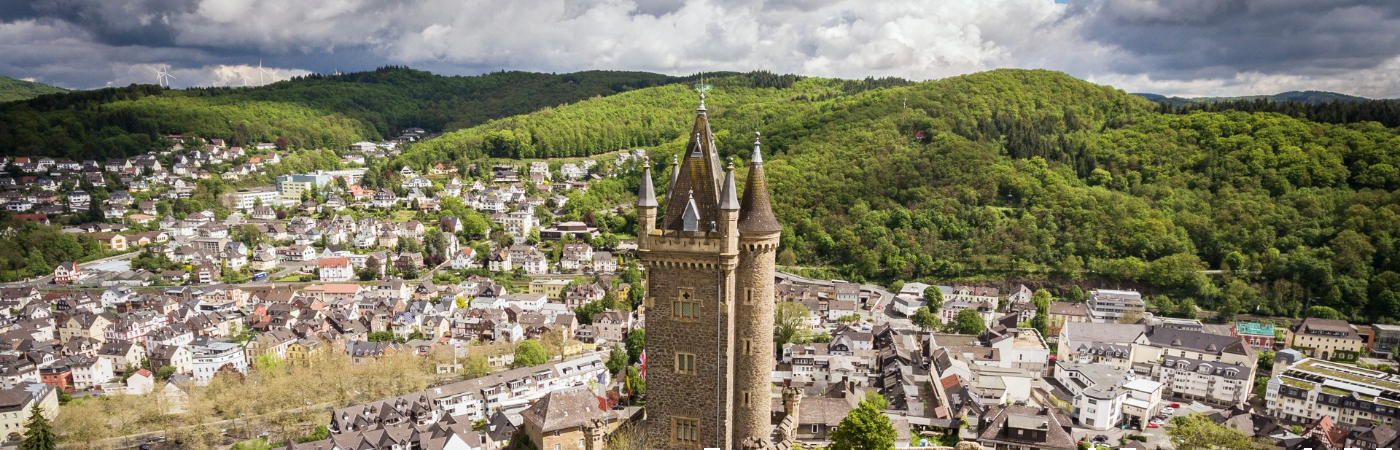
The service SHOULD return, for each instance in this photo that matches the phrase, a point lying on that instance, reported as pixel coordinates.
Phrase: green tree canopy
(38, 433)
(530, 353)
(864, 428)
(789, 322)
(925, 319)
(1198, 432)
(968, 322)
(636, 341)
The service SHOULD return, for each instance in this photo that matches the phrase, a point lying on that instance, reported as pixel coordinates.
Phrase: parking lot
(1155, 436)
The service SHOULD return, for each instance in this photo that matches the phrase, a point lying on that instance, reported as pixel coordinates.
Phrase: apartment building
(1313, 388)
(1105, 397)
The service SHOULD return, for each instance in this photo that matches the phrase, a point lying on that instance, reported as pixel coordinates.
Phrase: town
(472, 307)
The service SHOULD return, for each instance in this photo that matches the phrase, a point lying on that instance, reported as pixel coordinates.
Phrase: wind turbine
(163, 77)
(244, 77)
(262, 71)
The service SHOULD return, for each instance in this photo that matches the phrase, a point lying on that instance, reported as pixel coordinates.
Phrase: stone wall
(670, 394)
(753, 327)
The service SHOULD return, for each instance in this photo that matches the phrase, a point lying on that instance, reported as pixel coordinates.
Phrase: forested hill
(329, 111)
(12, 89)
(1025, 174)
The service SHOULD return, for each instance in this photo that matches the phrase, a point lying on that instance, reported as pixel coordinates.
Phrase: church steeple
(755, 211)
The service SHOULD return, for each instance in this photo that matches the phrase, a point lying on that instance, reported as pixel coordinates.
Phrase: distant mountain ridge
(15, 90)
(313, 111)
(1309, 97)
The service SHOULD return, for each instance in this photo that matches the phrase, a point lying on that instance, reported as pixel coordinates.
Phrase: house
(1325, 338)
(603, 262)
(1060, 313)
(335, 270)
(569, 419)
(86, 324)
(465, 259)
(175, 356)
(140, 383)
(1259, 336)
(1025, 428)
(110, 241)
(122, 354)
(66, 272)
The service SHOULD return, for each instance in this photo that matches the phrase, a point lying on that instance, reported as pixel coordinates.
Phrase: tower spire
(675, 173)
(699, 174)
(646, 196)
(756, 210)
(728, 198)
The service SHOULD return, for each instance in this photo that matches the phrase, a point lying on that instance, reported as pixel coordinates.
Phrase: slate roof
(565, 409)
(1197, 341)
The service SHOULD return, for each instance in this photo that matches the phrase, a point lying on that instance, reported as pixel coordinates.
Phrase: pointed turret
(646, 196)
(699, 175)
(646, 207)
(728, 197)
(756, 211)
(675, 173)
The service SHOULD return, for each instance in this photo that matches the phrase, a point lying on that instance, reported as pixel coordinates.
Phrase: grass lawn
(404, 216)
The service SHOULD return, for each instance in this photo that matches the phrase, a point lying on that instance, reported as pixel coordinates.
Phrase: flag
(643, 372)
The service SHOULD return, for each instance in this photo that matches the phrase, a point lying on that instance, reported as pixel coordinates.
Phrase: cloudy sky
(1175, 47)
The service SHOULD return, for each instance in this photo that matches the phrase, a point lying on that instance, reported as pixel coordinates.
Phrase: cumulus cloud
(1191, 47)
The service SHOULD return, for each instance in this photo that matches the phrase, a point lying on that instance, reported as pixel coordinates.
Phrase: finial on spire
(702, 88)
(646, 162)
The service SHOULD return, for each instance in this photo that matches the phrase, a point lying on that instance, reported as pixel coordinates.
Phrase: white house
(335, 269)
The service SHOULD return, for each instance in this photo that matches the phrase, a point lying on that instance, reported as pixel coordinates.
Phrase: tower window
(685, 430)
(685, 306)
(748, 346)
(745, 399)
(685, 363)
(748, 296)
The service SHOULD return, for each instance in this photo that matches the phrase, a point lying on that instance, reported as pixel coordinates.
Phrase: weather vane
(702, 88)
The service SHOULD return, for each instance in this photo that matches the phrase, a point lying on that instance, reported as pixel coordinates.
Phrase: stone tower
(709, 265)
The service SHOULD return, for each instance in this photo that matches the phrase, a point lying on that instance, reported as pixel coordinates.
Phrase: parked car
(1168, 410)
(1154, 425)
(1174, 405)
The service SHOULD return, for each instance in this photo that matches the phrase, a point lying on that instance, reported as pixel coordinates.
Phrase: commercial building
(247, 199)
(1387, 339)
(290, 187)
(1107, 306)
